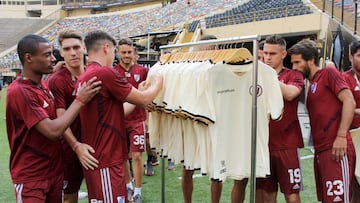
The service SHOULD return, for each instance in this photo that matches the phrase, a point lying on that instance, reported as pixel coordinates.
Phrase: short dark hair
(276, 39)
(94, 38)
(68, 34)
(354, 47)
(57, 55)
(261, 44)
(126, 41)
(29, 44)
(307, 49)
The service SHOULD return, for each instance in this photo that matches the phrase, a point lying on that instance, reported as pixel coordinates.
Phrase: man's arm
(347, 114)
(146, 93)
(289, 92)
(53, 129)
(82, 150)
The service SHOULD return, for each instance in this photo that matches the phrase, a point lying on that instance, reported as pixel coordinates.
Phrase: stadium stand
(171, 16)
(13, 29)
(258, 10)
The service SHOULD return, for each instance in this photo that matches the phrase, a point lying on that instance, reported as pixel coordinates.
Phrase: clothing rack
(255, 39)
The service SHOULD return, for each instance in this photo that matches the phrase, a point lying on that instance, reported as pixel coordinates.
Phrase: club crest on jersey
(137, 77)
(259, 90)
(313, 87)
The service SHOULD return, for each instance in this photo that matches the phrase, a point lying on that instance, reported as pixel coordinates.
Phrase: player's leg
(73, 177)
(286, 165)
(187, 184)
(129, 185)
(238, 191)
(266, 192)
(138, 169)
(336, 176)
(149, 167)
(137, 147)
(216, 188)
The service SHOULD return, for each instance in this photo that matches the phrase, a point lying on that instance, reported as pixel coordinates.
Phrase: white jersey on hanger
(231, 133)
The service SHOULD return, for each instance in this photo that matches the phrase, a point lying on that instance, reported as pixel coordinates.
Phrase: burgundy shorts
(73, 176)
(137, 136)
(285, 171)
(107, 184)
(40, 191)
(334, 178)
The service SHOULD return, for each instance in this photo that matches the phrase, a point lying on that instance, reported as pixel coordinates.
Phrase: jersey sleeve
(55, 86)
(118, 86)
(296, 79)
(335, 80)
(29, 108)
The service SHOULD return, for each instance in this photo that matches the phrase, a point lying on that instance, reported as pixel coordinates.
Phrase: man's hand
(86, 91)
(86, 159)
(339, 147)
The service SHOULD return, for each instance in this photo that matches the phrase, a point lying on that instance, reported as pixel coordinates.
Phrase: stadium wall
(311, 23)
(87, 12)
(20, 11)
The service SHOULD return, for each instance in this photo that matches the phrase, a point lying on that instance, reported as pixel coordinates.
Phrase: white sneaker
(82, 195)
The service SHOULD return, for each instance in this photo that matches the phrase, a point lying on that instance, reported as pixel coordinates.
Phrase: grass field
(151, 189)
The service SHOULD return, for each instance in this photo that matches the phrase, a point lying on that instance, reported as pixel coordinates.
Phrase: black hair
(354, 47)
(29, 44)
(57, 55)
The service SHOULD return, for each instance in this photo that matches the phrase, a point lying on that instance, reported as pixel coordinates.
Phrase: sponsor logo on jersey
(45, 105)
(225, 91)
(137, 77)
(96, 201)
(313, 87)
(296, 186)
(337, 199)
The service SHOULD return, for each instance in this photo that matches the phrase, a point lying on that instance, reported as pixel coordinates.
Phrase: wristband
(80, 100)
(75, 146)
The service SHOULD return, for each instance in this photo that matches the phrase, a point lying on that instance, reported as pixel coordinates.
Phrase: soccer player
(103, 119)
(62, 85)
(284, 135)
(135, 122)
(33, 130)
(352, 78)
(331, 106)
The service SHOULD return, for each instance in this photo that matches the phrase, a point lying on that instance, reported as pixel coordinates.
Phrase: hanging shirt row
(202, 117)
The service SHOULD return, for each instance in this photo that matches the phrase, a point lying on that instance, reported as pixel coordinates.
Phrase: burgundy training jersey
(62, 85)
(135, 76)
(286, 133)
(355, 89)
(102, 119)
(33, 156)
(324, 107)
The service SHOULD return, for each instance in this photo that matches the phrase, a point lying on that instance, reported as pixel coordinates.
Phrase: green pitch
(151, 189)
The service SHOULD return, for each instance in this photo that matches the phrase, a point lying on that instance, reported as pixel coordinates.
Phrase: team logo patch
(259, 90)
(313, 87)
(137, 77)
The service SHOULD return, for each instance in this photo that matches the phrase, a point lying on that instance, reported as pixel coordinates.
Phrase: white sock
(137, 191)
(129, 185)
